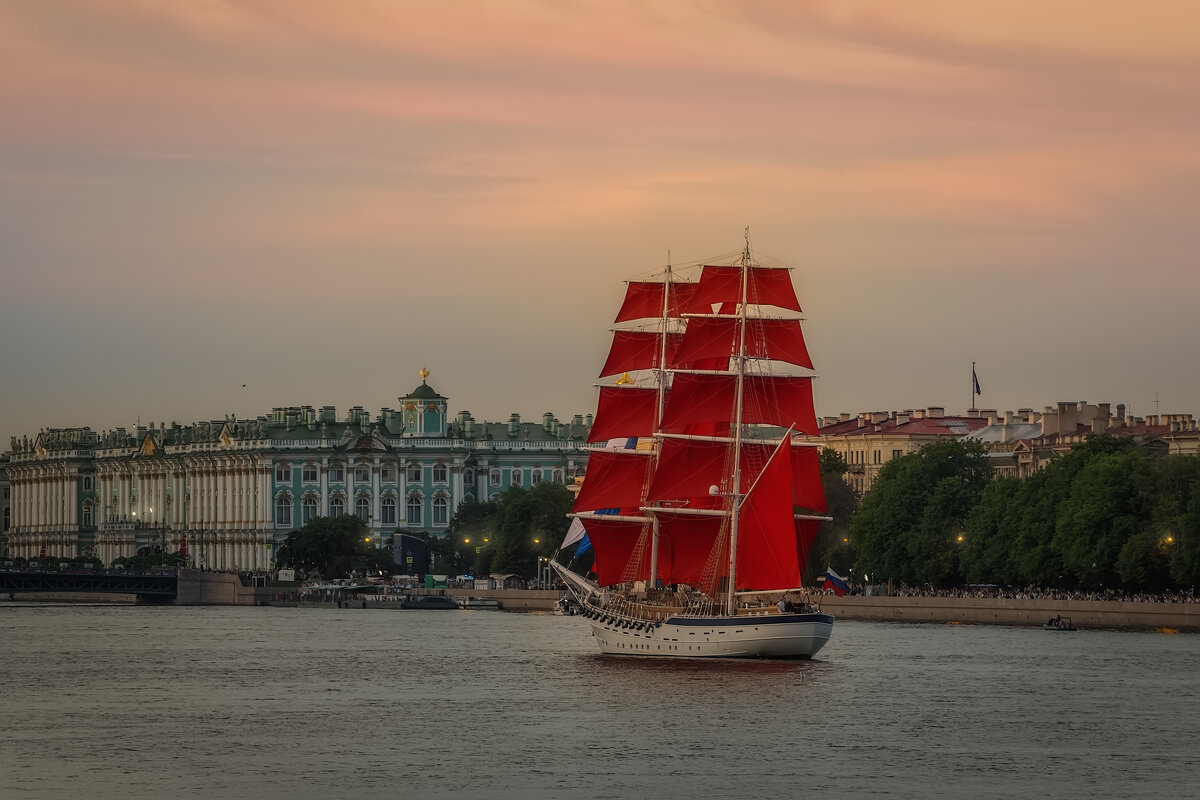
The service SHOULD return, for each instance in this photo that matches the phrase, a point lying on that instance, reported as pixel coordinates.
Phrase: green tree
(1109, 503)
(832, 545)
(909, 525)
(333, 547)
(532, 522)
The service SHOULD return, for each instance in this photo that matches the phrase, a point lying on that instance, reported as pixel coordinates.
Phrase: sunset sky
(319, 199)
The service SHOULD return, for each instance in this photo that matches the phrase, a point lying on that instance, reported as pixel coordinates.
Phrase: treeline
(1109, 514)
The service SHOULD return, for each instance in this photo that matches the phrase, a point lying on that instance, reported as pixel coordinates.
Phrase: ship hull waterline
(776, 636)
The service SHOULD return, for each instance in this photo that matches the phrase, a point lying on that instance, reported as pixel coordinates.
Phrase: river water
(219, 702)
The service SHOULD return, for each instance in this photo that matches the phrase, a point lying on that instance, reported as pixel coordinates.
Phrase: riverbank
(994, 611)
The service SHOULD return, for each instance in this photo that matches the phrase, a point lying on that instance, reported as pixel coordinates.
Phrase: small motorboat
(1059, 623)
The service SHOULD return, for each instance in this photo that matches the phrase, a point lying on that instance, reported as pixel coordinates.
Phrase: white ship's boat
(702, 510)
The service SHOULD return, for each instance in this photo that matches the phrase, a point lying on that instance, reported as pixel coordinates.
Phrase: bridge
(173, 587)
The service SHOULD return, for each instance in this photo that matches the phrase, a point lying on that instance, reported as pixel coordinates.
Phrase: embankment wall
(995, 611)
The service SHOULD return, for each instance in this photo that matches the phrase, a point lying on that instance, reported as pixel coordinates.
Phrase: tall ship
(702, 509)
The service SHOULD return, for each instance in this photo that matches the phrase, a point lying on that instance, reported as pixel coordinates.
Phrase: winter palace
(226, 493)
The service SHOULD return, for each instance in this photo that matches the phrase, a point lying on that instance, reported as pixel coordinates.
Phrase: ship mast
(736, 506)
(652, 583)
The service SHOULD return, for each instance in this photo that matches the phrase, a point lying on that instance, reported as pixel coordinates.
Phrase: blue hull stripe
(741, 622)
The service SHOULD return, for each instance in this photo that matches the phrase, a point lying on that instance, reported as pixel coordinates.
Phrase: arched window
(87, 516)
(283, 510)
(536, 477)
(441, 510)
(362, 508)
(337, 506)
(308, 509)
(516, 477)
(494, 478)
(468, 477)
(439, 473)
(414, 510)
(362, 473)
(309, 473)
(388, 511)
(283, 473)
(414, 473)
(557, 476)
(337, 473)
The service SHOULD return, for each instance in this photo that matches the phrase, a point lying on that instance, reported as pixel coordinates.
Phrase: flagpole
(972, 385)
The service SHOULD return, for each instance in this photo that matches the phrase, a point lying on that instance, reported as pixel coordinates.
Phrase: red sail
(767, 400)
(644, 300)
(623, 412)
(622, 550)
(685, 547)
(615, 479)
(765, 286)
(717, 338)
(806, 534)
(766, 554)
(638, 350)
(687, 468)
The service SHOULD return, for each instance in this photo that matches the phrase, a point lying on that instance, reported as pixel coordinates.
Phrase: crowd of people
(1040, 593)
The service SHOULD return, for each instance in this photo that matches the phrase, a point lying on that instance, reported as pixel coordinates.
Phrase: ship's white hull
(767, 636)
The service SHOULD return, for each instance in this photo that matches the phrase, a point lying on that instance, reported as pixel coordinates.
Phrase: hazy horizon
(319, 201)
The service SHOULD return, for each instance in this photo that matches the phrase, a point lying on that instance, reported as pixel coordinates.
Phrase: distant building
(5, 493)
(1020, 444)
(229, 491)
(870, 439)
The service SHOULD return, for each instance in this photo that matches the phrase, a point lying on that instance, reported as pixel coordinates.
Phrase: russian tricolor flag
(835, 582)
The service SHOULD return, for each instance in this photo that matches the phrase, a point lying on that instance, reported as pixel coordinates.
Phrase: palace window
(557, 476)
(283, 473)
(87, 516)
(283, 511)
(876, 455)
(309, 473)
(388, 511)
(87, 483)
(386, 473)
(414, 473)
(414, 510)
(439, 473)
(516, 477)
(441, 510)
(896, 453)
(362, 473)
(308, 509)
(468, 477)
(362, 508)
(535, 477)
(337, 506)
(337, 473)
(494, 478)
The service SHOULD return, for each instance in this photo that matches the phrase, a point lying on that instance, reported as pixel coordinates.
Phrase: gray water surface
(130, 702)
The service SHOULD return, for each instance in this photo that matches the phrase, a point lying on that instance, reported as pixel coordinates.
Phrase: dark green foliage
(333, 547)
(908, 527)
(832, 546)
(1110, 514)
(523, 525)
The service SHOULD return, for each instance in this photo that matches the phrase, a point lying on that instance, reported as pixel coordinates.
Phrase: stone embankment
(995, 611)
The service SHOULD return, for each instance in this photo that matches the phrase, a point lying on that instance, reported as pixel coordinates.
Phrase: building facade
(227, 493)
